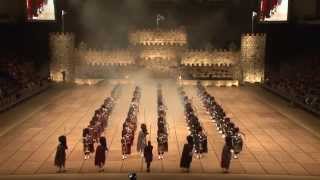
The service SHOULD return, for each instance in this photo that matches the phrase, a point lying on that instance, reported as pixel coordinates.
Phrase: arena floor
(280, 139)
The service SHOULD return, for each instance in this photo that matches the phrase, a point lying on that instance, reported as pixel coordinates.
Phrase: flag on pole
(159, 18)
(63, 12)
(254, 14)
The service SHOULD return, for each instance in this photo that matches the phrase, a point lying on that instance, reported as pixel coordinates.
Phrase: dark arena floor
(281, 142)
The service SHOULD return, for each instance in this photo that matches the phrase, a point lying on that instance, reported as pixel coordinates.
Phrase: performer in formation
(196, 131)
(88, 144)
(142, 139)
(60, 157)
(226, 154)
(99, 122)
(187, 153)
(130, 124)
(234, 139)
(148, 155)
(162, 134)
(100, 157)
(201, 143)
(196, 140)
(237, 142)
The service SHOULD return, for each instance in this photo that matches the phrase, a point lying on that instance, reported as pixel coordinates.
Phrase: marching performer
(60, 157)
(100, 157)
(142, 139)
(237, 142)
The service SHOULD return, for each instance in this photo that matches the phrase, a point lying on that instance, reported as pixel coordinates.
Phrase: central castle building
(160, 53)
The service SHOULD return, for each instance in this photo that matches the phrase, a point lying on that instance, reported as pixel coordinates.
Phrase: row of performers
(130, 125)
(60, 156)
(197, 133)
(92, 133)
(162, 134)
(231, 133)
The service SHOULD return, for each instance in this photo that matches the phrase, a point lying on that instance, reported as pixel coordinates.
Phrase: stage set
(278, 139)
(162, 53)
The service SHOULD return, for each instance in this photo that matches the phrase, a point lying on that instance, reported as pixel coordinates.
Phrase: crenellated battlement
(254, 35)
(62, 33)
(109, 64)
(181, 30)
(148, 29)
(201, 65)
(209, 58)
(105, 57)
(160, 51)
(62, 36)
(206, 50)
(169, 44)
(149, 37)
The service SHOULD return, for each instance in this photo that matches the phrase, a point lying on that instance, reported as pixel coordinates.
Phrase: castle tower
(61, 65)
(252, 60)
(159, 50)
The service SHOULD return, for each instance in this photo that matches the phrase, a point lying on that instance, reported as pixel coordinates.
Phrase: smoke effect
(206, 32)
(220, 27)
(105, 24)
(148, 100)
(148, 104)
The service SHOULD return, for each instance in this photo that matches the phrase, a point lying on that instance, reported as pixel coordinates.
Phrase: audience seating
(19, 81)
(298, 82)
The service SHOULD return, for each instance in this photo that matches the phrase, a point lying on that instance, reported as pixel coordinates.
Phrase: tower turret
(252, 60)
(62, 62)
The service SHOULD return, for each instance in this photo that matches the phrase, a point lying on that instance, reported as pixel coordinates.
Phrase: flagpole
(252, 28)
(62, 20)
(254, 14)
(158, 19)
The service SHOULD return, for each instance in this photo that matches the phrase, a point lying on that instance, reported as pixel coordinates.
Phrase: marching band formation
(231, 133)
(162, 134)
(197, 143)
(99, 121)
(91, 135)
(130, 124)
(197, 139)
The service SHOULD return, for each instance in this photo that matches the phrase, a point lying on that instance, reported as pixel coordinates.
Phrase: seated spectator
(299, 80)
(18, 78)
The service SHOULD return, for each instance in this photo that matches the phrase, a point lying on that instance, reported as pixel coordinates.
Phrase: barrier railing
(292, 99)
(22, 95)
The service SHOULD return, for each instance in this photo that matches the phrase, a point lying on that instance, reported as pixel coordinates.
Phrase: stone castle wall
(167, 57)
(108, 57)
(176, 36)
(62, 61)
(209, 58)
(253, 49)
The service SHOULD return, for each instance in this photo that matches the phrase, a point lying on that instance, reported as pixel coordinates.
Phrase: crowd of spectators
(298, 80)
(18, 79)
